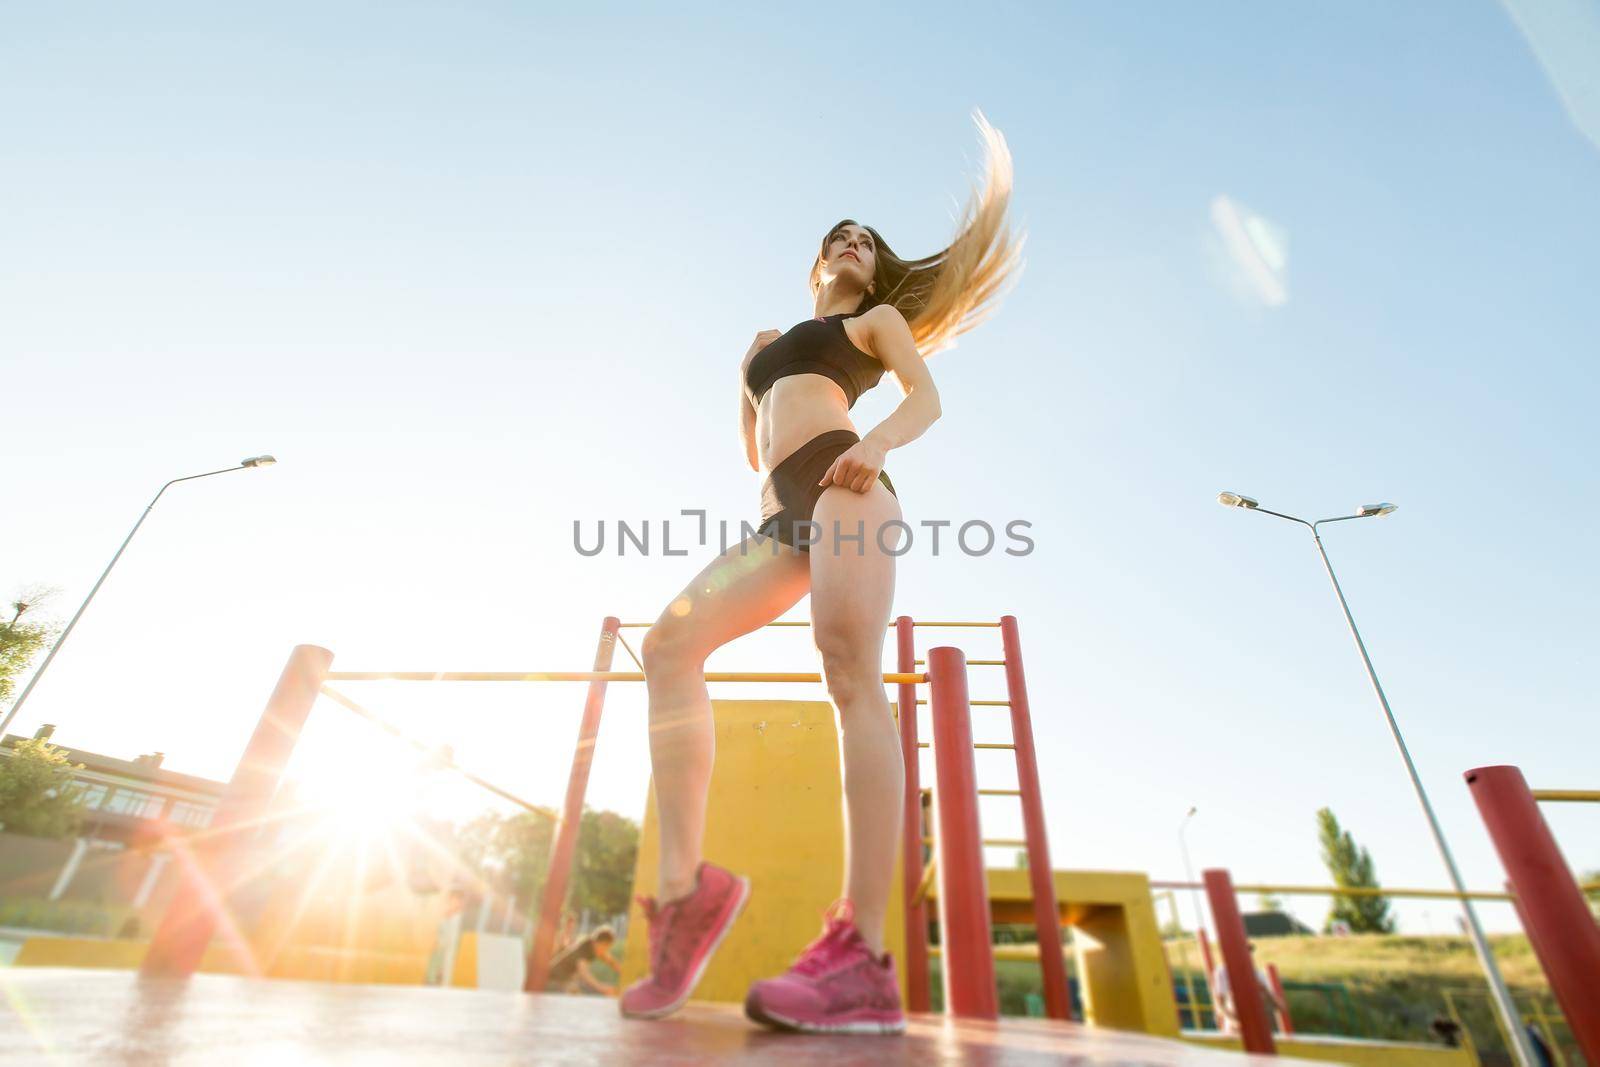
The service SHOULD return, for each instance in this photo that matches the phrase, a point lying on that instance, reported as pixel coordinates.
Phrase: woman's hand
(857, 468)
(763, 339)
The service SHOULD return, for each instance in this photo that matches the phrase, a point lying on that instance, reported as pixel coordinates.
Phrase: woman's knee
(851, 669)
(670, 642)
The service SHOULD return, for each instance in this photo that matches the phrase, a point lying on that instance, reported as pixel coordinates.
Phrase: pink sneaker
(683, 935)
(836, 986)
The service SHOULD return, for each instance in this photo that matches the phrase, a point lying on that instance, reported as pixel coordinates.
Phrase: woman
(831, 527)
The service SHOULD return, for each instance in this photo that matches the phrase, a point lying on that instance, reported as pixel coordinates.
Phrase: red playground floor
(59, 1016)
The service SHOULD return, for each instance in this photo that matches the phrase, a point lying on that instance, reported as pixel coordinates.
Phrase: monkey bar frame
(214, 859)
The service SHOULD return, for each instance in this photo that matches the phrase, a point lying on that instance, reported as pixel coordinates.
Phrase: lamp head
(1234, 500)
(1376, 509)
(257, 461)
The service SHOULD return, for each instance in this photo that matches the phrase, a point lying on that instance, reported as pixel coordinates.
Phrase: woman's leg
(852, 593)
(740, 591)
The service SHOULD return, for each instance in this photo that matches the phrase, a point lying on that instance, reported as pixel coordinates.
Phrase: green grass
(1013, 979)
(67, 916)
(1397, 985)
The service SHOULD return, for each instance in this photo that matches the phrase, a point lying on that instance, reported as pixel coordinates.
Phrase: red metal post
(1255, 1028)
(969, 989)
(209, 872)
(1560, 928)
(566, 842)
(1285, 1020)
(1041, 875)
(911, 861)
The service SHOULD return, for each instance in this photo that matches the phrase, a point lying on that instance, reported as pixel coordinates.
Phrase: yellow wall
(115, 955)
(775, 816)
(1123, 976)
(383, 936)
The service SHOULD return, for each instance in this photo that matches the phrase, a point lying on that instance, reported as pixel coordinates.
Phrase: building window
(133, 802)
(187, 814)
(92, 796)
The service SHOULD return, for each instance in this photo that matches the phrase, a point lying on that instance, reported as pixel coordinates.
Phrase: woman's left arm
(896, 349)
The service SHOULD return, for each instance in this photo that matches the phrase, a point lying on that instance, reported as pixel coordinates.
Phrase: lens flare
(1258, 251)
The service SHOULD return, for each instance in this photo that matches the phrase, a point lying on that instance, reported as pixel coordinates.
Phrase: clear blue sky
(475, 271)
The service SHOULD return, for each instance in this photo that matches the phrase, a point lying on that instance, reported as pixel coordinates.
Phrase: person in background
(1228, 1008)
(441, 962)
(569, 971)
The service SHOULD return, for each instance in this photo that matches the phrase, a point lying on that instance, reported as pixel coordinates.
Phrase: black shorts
(791, 492)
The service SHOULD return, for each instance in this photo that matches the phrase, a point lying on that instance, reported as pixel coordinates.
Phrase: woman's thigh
(852, 577)
(740, 591)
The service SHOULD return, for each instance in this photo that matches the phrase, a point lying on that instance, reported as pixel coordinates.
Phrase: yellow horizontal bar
(993, 842)
(1578, 796)
(1028, 952)
(983, 703)
(986, 792)
(781, 622)
(1347, 891)
(980, 744)
(971, 663)
(586, 676)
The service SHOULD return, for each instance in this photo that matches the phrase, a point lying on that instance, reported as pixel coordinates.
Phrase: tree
(513, 852)
(20, 641)
(1351, 866)
(38, 796)
(1269, 902)
(602, 880)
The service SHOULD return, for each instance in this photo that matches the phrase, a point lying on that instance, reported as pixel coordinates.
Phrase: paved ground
(59, 1016)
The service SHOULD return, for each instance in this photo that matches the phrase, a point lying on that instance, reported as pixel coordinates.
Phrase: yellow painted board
(775, 815)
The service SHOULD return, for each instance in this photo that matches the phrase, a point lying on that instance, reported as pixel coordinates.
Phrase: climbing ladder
(917, 833)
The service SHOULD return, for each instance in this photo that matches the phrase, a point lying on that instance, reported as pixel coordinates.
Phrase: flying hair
(948, 293)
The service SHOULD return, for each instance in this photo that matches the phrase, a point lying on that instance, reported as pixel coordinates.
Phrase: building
(1274, 924)
(127, 804)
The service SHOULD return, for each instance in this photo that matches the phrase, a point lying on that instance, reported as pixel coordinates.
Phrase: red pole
(911, 835)
(209, 871)
(1041, 875)
(566, 843)
(1284, 1018)
(1255, 1028)
(969, 989)
(1560, 928)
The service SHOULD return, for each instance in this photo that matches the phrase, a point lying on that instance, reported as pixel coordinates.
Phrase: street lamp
(1188, 871)
(251, 463)
(1497, 986)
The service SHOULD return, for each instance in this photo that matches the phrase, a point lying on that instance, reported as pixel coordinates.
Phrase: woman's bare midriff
(795, 410)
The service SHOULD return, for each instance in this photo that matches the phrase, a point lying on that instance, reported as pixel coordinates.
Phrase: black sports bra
(817, 346)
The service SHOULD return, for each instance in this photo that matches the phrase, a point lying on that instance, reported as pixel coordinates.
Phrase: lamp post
(1507, 1010)
(245, 464)
(1188, 871)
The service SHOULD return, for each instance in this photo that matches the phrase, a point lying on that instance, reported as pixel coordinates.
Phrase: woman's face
(852, 253)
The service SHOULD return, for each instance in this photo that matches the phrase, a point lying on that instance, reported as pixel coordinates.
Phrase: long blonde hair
(948, 293)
